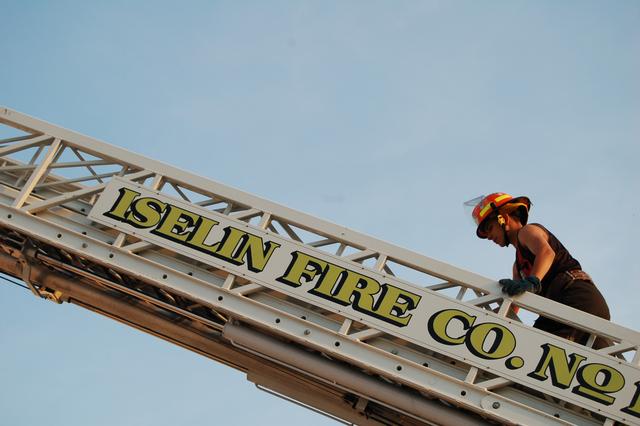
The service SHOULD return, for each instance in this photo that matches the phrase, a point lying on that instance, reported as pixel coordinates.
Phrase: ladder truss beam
(46, 204)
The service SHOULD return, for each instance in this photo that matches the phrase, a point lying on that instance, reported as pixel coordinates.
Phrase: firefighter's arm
(536, 240)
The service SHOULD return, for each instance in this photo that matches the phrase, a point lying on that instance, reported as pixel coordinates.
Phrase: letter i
(122, 204)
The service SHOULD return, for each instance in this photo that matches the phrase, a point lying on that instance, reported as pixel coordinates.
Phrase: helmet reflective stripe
(488, 204)
(492, 204)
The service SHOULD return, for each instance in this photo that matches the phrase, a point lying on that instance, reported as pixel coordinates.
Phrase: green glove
(515, 287)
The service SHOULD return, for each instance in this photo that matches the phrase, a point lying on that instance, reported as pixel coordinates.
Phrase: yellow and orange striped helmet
(498, 202)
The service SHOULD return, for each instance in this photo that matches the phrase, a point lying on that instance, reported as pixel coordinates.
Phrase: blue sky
(381, 116)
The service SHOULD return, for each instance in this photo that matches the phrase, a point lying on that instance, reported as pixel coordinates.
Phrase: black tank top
(562, 262)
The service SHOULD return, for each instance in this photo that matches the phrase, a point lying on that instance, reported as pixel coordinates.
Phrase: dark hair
(519, 213)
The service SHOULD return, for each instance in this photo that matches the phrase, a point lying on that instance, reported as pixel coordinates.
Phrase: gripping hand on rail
(516, 287)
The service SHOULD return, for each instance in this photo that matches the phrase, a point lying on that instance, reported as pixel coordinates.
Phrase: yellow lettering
(236, 244)
(258, 252)
(332, 276)
(175, 224)
(230, 243)
(395, 302)
(504, 341)
(122, 204)
(634, 407)
(611, 381)
(145, 212)
(360, 288)
(301, 267)
(439, 322)
(554, 359)
(202, 231)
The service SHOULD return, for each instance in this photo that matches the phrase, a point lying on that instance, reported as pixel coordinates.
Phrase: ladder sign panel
(473, 335)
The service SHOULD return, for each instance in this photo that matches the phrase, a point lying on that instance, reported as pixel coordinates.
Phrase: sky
(382, 116)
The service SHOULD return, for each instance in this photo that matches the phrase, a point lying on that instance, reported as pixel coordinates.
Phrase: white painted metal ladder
(349, 361)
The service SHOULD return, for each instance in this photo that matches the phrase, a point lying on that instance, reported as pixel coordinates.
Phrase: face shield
(470, 206)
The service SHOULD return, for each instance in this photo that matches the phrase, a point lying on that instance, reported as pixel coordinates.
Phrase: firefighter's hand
(515, 287)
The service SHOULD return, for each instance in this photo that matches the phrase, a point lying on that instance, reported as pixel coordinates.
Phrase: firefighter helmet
(498, 202)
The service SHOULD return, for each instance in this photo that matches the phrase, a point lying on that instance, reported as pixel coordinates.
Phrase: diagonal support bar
(70, 196)
(37, 174)
(28, 143)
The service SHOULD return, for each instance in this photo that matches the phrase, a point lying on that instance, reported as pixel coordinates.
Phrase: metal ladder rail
(289, 219)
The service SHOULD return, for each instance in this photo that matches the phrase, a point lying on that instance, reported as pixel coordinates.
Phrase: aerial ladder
(345, 324)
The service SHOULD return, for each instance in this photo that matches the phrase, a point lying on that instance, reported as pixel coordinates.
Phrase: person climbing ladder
(542, 265)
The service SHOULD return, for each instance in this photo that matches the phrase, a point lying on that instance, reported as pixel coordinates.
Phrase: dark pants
(575, 289)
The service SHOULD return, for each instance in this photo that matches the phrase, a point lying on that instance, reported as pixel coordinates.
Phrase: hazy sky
(383, 116)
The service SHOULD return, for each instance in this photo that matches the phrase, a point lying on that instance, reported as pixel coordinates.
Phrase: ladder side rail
(289, 216)
(565, 314)
(578, 319)
(527, 301)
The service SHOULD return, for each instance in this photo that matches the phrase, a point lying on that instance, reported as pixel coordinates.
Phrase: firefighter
(542, 265)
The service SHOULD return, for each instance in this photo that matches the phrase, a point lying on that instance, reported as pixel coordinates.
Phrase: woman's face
(494, 232)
